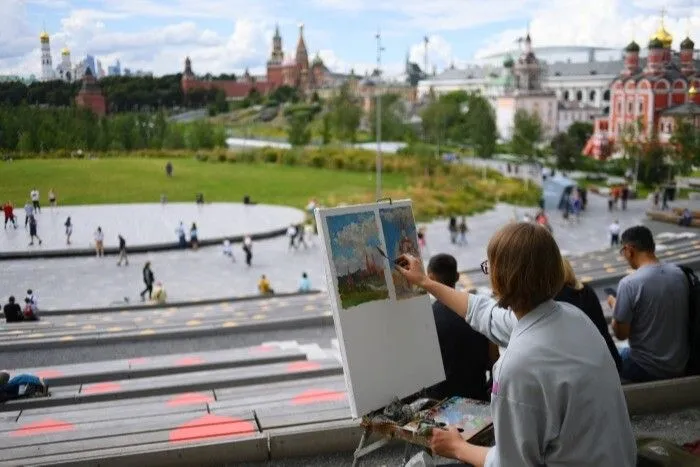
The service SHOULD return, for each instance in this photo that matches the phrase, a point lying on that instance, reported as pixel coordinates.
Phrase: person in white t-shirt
(34, 195)
(292, 234)
(614, 233)
(99, 242)
(228, 250)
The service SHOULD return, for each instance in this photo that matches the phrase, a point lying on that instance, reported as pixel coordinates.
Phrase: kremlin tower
(47, 73)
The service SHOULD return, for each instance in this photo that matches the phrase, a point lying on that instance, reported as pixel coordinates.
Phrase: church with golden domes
(651, 95)
(64, 71)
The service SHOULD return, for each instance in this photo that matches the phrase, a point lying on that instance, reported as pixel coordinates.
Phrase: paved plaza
(144, 225)
(204, 274)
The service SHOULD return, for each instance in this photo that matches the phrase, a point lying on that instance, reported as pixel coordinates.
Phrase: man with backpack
(652, 310)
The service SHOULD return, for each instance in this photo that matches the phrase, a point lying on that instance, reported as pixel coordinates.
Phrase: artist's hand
(611, 301)
(447, 443)
(412, 269)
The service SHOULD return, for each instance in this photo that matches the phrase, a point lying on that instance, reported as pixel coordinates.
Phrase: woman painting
(556, 399)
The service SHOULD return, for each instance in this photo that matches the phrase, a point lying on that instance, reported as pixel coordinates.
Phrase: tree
(298, 132)
(326, 129)
(566, 151)
(580, 133)
(445, 120)
(527, 131)
(686, 144)
(392, 117)
(345, 115)
(481, 126)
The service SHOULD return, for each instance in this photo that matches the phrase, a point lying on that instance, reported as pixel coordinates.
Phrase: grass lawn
(126, 180)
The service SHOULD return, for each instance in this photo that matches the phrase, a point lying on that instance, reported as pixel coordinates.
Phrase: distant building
(90, 95)
(115, 70)
(650, 94)
(47, 73)
(64, 70)
(296, 72)
(522, 90)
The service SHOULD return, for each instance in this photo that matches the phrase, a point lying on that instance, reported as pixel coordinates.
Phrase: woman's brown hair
(525, 266)
(570, 276)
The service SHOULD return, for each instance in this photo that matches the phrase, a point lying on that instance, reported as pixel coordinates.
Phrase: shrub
(221, 157)
(290, 158)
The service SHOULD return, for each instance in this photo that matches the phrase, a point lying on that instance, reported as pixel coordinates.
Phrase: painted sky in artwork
(351, 236)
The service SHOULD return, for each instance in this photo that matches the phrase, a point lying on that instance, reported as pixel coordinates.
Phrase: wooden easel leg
(406, 452)
(358, 452)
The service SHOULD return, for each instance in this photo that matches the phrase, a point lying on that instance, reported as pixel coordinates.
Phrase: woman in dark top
(586, 300)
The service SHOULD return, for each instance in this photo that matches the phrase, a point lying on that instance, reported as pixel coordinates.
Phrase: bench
(664, 395)
(670, 217)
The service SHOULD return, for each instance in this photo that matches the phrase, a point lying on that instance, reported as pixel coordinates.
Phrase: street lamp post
(378, 108)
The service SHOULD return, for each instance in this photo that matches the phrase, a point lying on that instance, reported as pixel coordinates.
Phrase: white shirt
(34, 195)
(614, 228)
(99, 236)
(557, 399)
(291, 231)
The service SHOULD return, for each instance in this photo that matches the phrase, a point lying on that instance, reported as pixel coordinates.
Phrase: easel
(363, 449)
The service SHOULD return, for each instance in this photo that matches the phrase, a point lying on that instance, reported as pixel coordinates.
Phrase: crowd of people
(32, 209)
(556, 387)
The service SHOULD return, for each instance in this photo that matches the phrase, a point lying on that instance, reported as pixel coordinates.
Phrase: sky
(352, 237)
(228, 36)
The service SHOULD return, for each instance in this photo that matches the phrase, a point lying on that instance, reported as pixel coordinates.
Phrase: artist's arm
(623, 310)
(412, 269)
(449, 443)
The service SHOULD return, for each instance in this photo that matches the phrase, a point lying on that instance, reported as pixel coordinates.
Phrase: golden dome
(663, 35)
(44, 36)
(692, 91)
(65, 51)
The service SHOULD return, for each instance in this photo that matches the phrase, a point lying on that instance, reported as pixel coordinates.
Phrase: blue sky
(230, 35)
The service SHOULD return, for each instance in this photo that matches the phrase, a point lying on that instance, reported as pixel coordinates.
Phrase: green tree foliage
(298, 132)
(345, 115)
(285, 94)
(527, 132)
(481, 126)
(686, 145)
(580, 133)
(393, 118)
(461, 118)
(33, 129)
(566, 151)
(123, 93)
(326, 129)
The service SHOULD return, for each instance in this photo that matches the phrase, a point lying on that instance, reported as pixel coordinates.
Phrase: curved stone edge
(180, 304)
(78, 252)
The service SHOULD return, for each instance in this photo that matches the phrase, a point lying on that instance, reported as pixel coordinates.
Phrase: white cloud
(439, 53)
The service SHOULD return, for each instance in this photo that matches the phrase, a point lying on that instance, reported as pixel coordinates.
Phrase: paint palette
(469, 415)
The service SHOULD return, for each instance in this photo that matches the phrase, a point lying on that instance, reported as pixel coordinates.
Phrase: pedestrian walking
(657, 197)
(99, 242)
(69, 230)
(624, 195)
(452, 227)
(611, 201)
(292, 235)
(28, 212)
(52, 198)
(122, 251)
(181, 237)
(34, 196)
(194, 236)
(33, 231)
(300, 237)
(169, 169)
(614, 230)
(463, 229)
(248, 250)
(148, 279)
(227, 250)
(9, 211)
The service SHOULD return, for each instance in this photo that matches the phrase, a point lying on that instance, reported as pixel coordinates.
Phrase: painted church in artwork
(297, 72)
(649, 94)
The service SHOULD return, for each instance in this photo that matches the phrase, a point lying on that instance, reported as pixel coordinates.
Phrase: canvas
(400, 237)
(359, 267)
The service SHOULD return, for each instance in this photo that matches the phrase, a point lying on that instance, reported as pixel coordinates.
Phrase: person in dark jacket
(465, 352)
(13, 312)
(148, 279)
(585, 299)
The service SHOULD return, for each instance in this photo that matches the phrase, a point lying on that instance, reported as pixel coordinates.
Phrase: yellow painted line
(124, 313)
(607, 265)
(630, 271)
(70, 316)
(172, 309)
(310, 308)
(193, 322)
(67, 338)
(159, 321)
(283, 303)
(259, 317)
(224, 306)
(610, 270)
(240, 314)
(683, 256)
(147, 332)
(37, 335)
(138, 319)
(71, 324)
(115, 329)
(328, 313)
(312, 298)
(200, 315)
(16, 332)
(107, 319)
(209, 308)
(88, 327)
(230, 324)
(586, 279)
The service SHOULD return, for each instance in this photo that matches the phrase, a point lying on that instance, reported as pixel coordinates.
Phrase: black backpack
(693, 366)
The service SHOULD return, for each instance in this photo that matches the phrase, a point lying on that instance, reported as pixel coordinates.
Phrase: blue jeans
(631, 371)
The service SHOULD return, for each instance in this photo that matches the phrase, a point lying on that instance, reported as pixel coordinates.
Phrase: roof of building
(632, 47)
(689, 108)
(687, 44)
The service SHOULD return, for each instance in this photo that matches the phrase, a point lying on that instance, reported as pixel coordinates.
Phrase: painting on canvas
(359, 267)
(400, 237)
